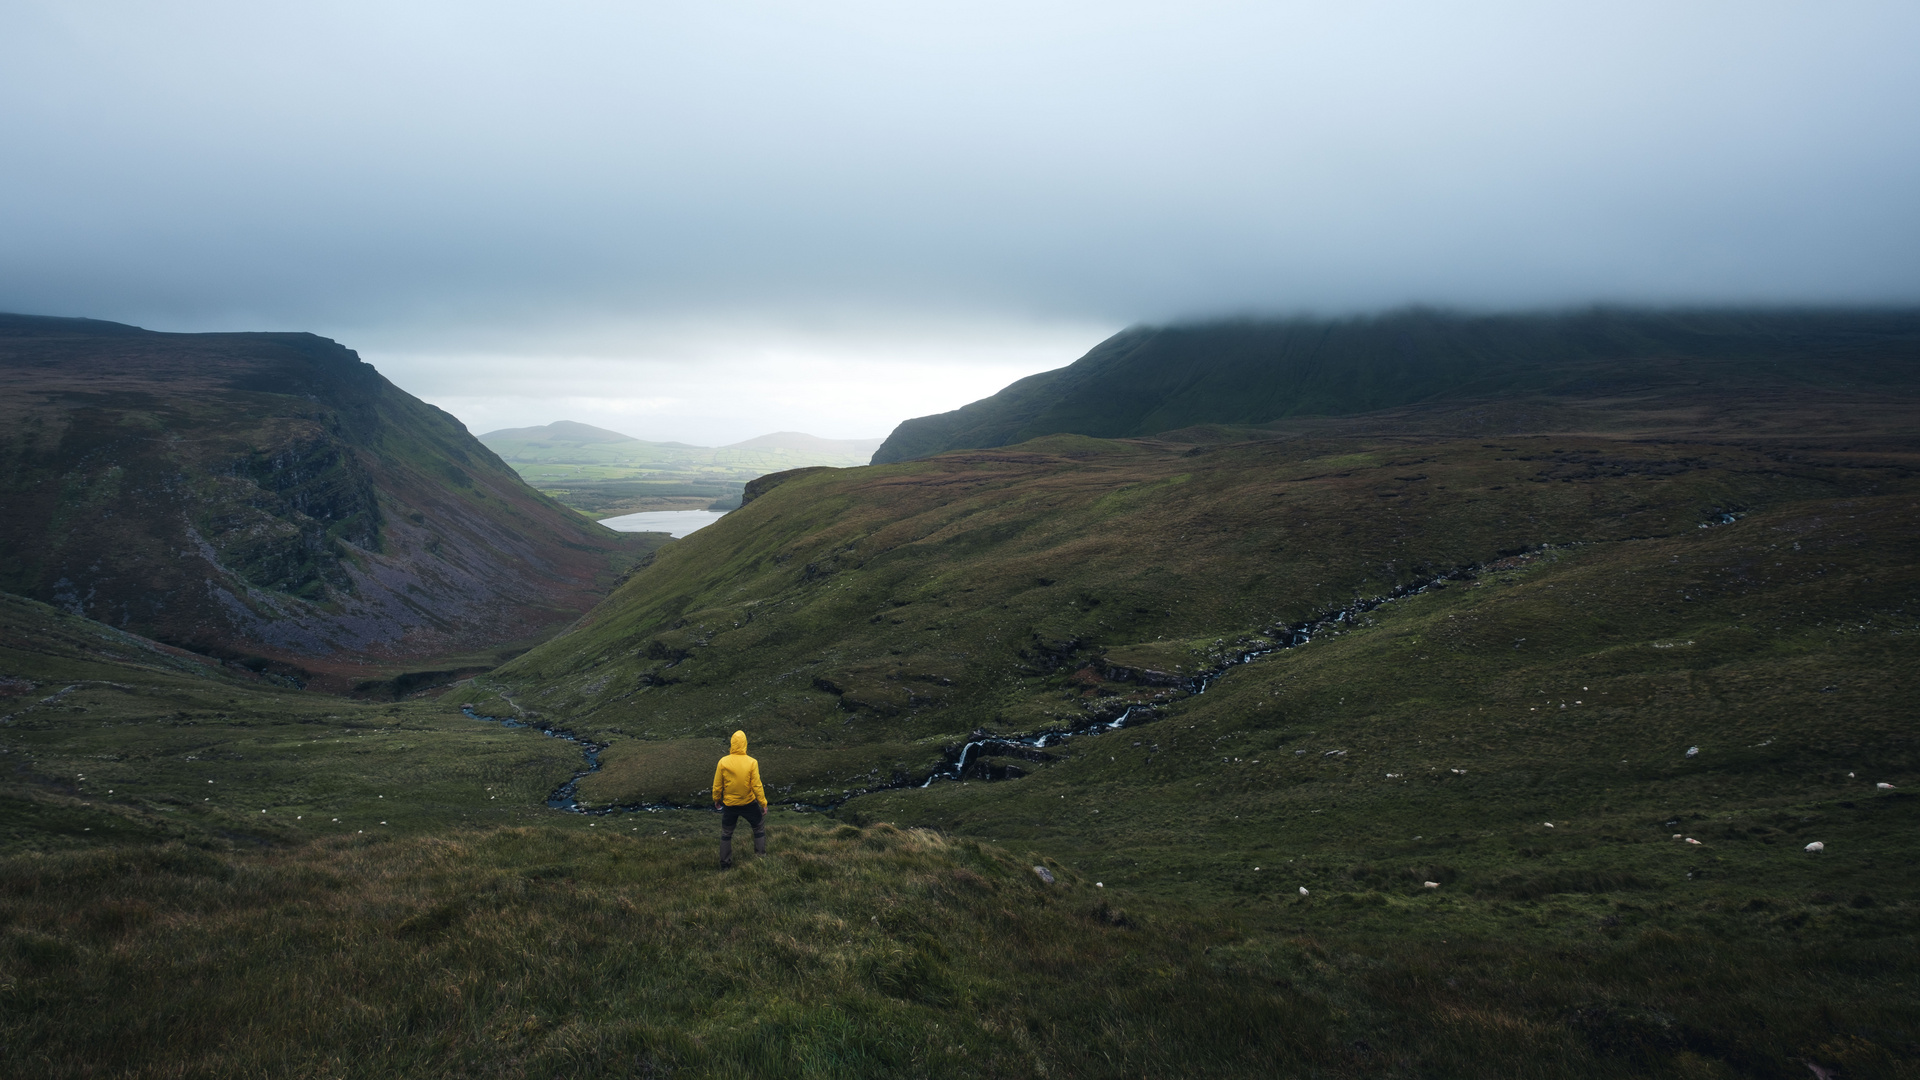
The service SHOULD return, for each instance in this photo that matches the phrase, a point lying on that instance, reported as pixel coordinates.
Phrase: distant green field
(604, 473)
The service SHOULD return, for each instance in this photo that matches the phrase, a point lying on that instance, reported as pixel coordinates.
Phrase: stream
(563, 796)
(958, 762)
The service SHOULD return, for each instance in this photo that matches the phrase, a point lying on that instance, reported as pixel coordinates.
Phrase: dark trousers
(730, 816)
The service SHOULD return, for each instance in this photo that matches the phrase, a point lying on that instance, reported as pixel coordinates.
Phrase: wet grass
(875, 952)
(107, 737)
(1565, 689)
(576, 949)
(1519, 738)
(886, 612)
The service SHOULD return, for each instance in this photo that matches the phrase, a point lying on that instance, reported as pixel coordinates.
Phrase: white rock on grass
(1816, 846)
(1044, 874)
(1693, 751)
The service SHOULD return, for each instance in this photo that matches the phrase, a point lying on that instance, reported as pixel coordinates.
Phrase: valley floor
(1550, 820)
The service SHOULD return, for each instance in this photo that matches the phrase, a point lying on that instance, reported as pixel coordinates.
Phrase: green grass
(609, 476)
(1781, 645)
(856, 623)
(912, 604)
(107, 737)
(573, 949)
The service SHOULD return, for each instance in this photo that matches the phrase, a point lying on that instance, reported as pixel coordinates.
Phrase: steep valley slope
(272, 500)
(867, 622)
(1573, 703)
(1525, 734)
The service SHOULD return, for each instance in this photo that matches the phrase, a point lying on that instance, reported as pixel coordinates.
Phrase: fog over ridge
(692, 215)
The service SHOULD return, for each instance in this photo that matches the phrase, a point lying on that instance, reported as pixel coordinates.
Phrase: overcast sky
(707, 221)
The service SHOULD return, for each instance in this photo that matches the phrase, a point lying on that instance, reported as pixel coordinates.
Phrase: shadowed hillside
(271, 498)
(1153, 379)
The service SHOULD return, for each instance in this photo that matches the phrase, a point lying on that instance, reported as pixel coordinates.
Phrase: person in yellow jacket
(737, 793)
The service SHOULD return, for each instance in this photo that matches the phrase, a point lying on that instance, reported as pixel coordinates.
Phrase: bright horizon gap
(717, 386)
(722, 446)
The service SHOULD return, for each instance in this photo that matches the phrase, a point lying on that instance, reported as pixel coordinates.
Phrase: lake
(675, 522)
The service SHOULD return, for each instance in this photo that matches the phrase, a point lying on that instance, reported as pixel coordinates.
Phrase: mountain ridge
(1146, 379)
(271, 498)
(563, 431)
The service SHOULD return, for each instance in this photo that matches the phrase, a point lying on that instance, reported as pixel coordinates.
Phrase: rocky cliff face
(271, 499)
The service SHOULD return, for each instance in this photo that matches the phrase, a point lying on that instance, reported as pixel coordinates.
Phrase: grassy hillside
(548, 950)
(207, 874)
(876, 952)
(271, 499)
(107, 737)
(1518, 735)
(1433, 738)
(899, 608)
(1533, 799)
(1154, 379)
(604, 473)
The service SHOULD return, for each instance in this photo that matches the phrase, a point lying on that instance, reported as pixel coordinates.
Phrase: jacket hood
(739, 742)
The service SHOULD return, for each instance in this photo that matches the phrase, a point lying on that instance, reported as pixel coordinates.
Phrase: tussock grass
(847, 951)
(858, 952)
(1434, 739)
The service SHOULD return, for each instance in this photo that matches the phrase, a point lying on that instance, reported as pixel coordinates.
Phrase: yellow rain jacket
(736, 780)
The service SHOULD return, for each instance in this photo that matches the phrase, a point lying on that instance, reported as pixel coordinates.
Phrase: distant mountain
(272, 499)
(560, 431)
(802, 443)
(1148, 380)
(572, 433)
(605, 473)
